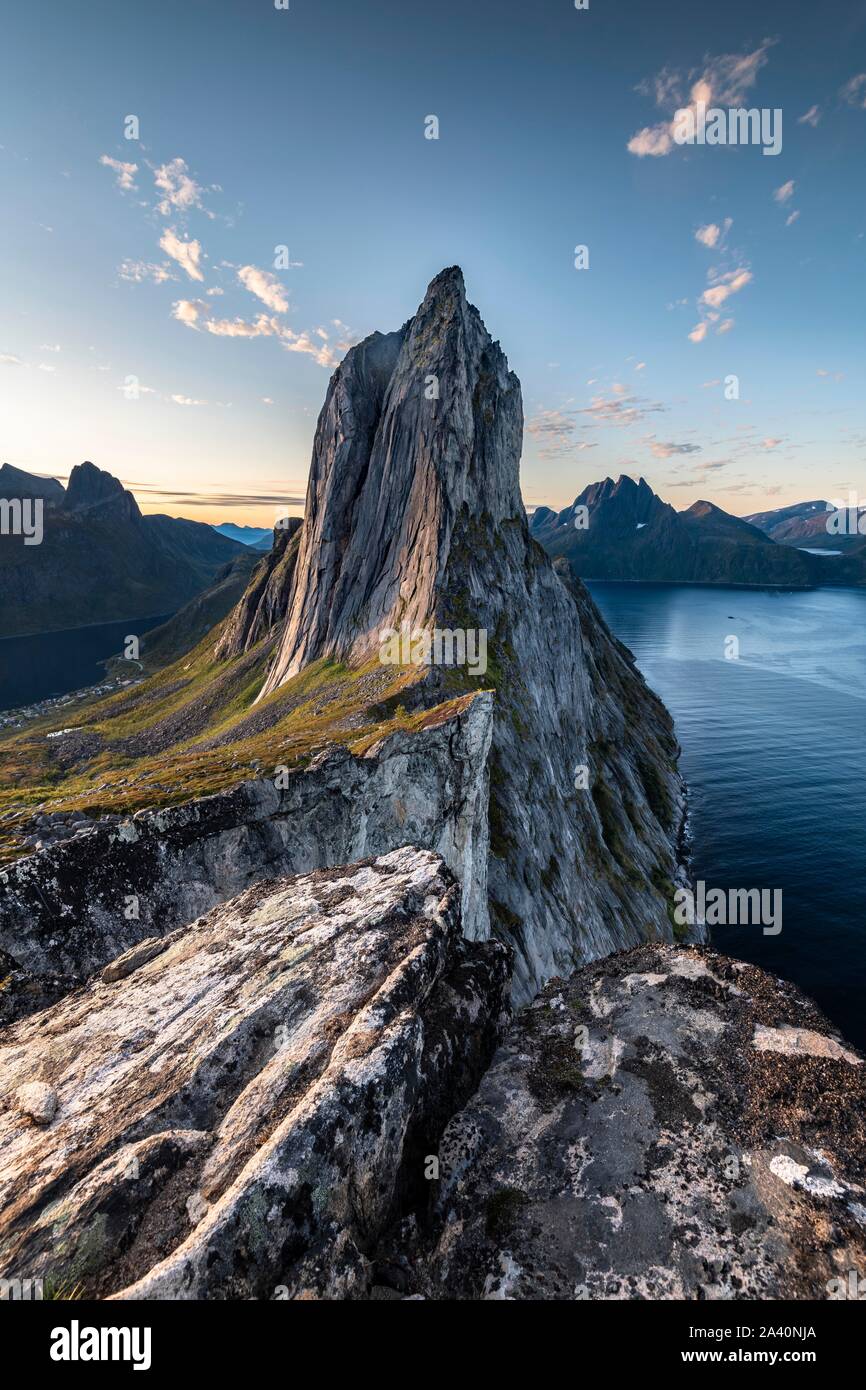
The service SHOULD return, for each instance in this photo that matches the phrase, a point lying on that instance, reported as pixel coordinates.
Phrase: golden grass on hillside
(193, 729)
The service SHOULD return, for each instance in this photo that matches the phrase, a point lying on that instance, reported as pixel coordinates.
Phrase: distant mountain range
(99, 558)
(623, 531)
(259, 536)
(805, 524)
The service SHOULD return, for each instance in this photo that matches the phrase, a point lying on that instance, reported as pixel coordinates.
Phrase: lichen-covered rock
(72, 908)
(242, 1113)
(668, 1123)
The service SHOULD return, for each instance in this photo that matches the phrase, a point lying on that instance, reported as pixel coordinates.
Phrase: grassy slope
(193, 728)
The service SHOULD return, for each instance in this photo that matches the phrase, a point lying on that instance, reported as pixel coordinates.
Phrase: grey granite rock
(242, 1114)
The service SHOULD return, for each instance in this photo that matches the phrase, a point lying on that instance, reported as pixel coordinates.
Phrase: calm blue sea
(774, 752)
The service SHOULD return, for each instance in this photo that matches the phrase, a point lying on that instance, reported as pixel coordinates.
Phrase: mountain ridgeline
(622, 531)
(99, 558)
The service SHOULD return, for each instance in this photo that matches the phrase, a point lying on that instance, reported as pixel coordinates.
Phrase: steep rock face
(393, 471)
(238, 1109)
(263, 604)
(665, 1124)
(414, 517)
(67, 910)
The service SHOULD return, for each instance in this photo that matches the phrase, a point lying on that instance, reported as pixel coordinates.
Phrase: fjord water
(774, 753)
(53, 663)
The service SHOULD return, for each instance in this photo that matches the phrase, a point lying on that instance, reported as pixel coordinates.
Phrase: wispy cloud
(712, 234)
(722, 285)
(186, 253)
(854, 91)
(620, 409)
(9, 359)
(137, 271)
(810, 117)
(731, 282)
(723, 80)
(265, 287)
(178, 188)
(785, 192)
(125, 172)
(218, 499)
(666, 451)
(198, 315)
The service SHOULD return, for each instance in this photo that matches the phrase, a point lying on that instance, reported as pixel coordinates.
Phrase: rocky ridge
(69, 908)
(238, 1109)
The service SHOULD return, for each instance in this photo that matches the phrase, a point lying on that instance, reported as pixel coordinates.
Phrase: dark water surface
(53, 663)
(774, 752)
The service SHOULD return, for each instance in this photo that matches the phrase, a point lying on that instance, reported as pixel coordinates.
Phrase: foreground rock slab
(238, 1109)
(668, 1123)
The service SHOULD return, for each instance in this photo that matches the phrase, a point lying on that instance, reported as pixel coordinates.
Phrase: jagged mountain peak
(418, 426)
(624, 502)
(97, 489)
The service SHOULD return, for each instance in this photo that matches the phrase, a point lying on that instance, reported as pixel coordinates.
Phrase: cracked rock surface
(241, 1113)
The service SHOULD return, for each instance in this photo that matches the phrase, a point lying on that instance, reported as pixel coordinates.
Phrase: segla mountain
(414, 519)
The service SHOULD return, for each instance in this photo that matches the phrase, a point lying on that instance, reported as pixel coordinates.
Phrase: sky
(173, 304)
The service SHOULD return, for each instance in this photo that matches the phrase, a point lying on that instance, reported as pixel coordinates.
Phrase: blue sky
(304, 128)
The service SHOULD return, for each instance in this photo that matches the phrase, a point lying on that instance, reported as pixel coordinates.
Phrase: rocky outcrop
(666, 1124)
(239, 1109)
(279, 1101)
(69, 909)
(263, 605)
(414, 516)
